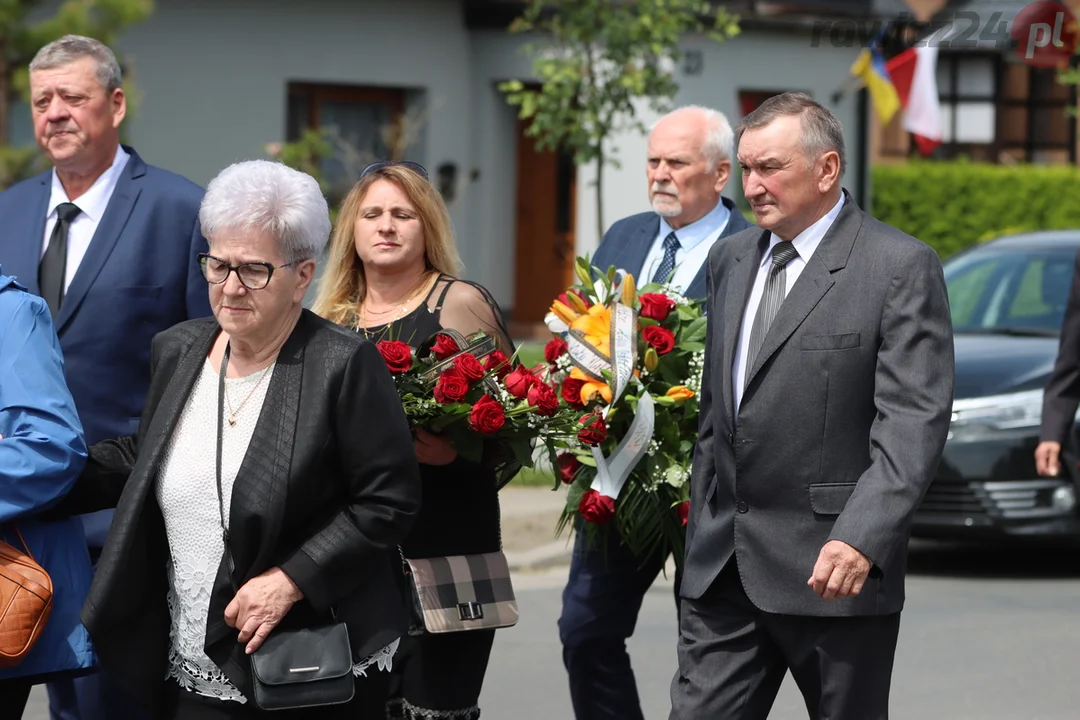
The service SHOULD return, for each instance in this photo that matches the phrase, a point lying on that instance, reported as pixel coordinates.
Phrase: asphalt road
(987, 634)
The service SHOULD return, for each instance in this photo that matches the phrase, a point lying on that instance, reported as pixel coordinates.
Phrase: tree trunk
(5, 90)
(599, 198)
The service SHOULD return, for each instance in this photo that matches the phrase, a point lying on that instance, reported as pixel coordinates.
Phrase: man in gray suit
(824, 410)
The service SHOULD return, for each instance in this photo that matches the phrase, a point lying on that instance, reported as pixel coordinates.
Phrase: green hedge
(951, 205)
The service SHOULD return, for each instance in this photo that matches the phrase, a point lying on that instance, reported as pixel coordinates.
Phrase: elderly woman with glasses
(392, 273)
(271, 480)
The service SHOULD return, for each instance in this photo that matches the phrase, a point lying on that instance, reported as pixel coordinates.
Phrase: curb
(552, 554)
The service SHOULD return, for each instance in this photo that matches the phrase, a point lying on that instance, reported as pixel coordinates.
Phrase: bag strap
(22, 541)
(220, 432)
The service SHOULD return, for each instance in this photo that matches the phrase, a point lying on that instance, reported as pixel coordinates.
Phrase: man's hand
(1048, 458)
(839, 572)
(432, 449)
(260, 605)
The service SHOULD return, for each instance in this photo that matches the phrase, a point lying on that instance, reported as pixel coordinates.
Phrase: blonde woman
(392, 274)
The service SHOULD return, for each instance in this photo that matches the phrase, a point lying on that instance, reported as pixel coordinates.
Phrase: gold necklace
(362, 324)
(234, 413)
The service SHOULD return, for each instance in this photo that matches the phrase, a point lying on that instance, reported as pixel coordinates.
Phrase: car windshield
(1009, 292)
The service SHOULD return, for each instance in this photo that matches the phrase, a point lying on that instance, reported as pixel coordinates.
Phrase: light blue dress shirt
(695, 240)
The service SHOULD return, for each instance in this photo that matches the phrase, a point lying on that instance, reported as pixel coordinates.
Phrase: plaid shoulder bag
(458, 593)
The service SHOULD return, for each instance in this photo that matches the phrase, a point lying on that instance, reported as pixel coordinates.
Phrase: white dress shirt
(805, 244)
(695, 240)
(92, 203)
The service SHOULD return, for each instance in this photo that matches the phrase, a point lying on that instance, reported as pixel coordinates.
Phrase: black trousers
(600, 608)
(13, 697)
(369, 703)
(733, 658)
(440, 676)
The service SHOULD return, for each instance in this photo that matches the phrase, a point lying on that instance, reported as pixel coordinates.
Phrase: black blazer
(328, 488)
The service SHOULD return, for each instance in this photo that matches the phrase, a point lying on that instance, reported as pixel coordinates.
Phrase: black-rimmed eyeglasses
(415, 167)
(252, 275)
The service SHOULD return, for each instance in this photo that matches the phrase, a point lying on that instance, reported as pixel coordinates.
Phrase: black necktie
(54, 264)
(771, 300)
(667, 263)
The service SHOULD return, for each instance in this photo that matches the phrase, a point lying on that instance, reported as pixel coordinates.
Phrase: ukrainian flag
(870, 68)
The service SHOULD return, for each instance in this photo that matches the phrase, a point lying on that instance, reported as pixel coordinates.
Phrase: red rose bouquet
(484, 402)
(629, 362)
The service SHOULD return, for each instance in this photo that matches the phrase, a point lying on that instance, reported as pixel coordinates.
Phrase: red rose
(571, 392)
(497, 363)
(469, 366)
(568, 466)
(662, 339)
(656, 306)
(683, 511)
(451, 387)
(596, 508)
(398, 355)
(594, 431)
(544, 399)
(444, 347)
(555, 349)
(487, 415)
(519, 381)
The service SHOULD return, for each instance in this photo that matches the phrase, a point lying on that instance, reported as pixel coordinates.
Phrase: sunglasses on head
(415, 167)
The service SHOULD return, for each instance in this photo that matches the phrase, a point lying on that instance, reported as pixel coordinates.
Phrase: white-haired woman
(315, 495)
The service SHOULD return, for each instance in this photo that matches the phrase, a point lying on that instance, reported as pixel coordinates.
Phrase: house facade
(220, 80)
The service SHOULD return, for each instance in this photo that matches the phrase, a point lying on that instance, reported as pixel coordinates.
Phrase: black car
(1008, 300)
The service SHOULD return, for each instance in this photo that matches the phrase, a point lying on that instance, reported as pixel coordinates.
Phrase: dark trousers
(437, 676)
(601, 602)
(91, 697)
(733, 658)
(13, 697)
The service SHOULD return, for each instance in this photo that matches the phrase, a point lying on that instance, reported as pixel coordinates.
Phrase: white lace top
(187, 494)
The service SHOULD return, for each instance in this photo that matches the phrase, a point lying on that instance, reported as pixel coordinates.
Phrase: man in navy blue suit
(110, 243)
(689, 163)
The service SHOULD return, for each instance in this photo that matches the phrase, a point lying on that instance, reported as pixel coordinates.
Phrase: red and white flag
(914, 75)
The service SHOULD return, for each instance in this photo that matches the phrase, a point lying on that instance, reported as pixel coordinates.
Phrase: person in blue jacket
(42, 452)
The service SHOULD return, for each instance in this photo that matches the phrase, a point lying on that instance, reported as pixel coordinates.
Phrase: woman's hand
(432, 449)
(260, 605)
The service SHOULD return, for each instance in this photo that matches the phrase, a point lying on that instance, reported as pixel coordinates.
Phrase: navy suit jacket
(626, 245)
(140, 275)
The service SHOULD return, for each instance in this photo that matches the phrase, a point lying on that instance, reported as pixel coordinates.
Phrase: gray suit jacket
(842, 423)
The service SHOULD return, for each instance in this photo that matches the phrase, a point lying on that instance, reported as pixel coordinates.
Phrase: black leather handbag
(295, 668)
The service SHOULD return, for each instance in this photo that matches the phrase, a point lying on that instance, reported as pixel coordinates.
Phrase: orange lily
(595, 325)
(679, 392)
(563, 312)
(591, 388)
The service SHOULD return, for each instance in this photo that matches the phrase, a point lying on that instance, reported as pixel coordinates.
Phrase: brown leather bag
(26, 594)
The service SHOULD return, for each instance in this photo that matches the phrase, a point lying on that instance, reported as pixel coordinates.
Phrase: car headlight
(997, 412)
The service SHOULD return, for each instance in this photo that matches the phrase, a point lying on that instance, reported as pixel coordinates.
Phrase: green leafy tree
(20, 39)
(595, 59)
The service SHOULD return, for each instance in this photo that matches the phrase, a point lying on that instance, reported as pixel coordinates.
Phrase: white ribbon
(623, 347)
(590, 360)
(611, 473)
